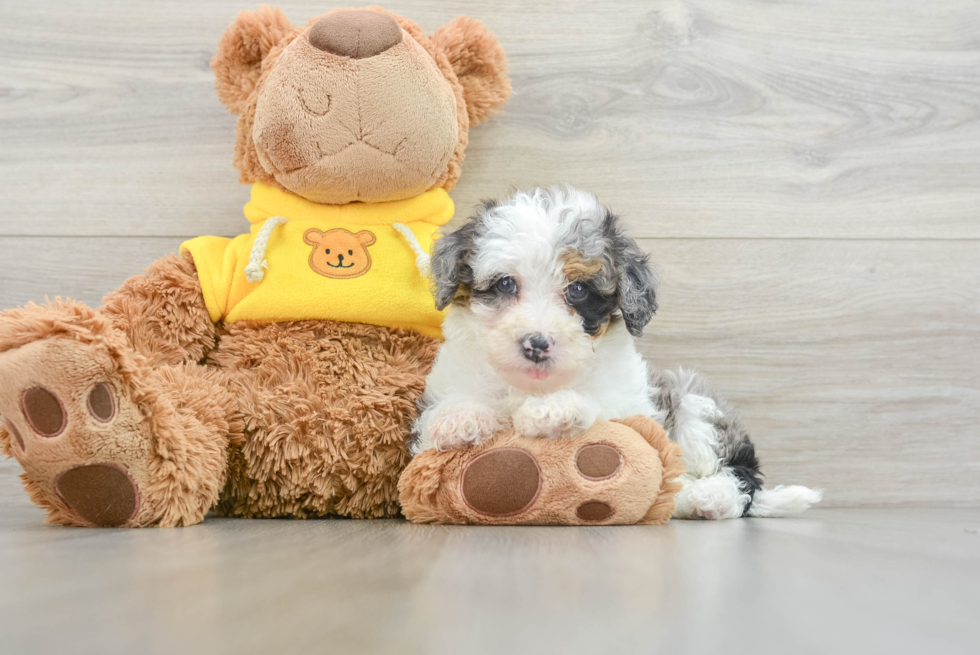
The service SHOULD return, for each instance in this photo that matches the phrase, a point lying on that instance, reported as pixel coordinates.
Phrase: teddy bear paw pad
(44, 411)
(594, 510)
(102, 494)
(598, 461)
(501, 482)
(81, 440)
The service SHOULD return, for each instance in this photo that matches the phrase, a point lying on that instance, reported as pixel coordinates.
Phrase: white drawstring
(254, 272)
(423, 261)
(256, 258)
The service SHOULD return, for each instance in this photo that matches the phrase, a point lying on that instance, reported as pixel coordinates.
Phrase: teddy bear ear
(312, 237)
(479, 63)
(244, 44)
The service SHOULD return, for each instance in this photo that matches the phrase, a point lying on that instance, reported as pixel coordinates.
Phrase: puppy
(546, 297)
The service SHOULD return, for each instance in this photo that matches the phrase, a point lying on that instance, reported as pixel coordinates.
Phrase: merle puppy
(546, 298)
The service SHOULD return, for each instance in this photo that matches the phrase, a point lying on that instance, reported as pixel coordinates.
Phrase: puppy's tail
(783, 501)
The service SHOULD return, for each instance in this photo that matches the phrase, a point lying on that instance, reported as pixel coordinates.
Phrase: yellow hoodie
(358, 262)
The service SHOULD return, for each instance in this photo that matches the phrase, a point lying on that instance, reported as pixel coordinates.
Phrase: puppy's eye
(576, 292)
(506, 286)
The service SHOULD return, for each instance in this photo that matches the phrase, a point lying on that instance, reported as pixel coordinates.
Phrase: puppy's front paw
(460, 425)
(552, 416)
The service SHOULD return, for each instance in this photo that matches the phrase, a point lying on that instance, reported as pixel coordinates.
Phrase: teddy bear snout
(359, 33)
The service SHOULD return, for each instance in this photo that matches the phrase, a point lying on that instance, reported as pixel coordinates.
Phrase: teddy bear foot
(614, 473)
(82, 442)
(73, 413)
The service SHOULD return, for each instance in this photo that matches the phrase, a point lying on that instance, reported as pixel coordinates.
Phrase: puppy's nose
(535, 347)
(358, 33)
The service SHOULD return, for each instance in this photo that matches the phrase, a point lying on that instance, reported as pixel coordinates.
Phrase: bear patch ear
(365, 238)
(244, 44)
(312, 237)
(480, 64)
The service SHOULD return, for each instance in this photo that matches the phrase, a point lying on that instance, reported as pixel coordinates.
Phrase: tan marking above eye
(314, 103)
(575, 268)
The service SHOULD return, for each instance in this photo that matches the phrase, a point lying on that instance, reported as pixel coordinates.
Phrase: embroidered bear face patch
(339, 253)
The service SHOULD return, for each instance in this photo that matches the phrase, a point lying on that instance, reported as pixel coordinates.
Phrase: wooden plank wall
(805, 173)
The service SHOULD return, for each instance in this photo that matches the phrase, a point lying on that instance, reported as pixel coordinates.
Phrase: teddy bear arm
(163, 312)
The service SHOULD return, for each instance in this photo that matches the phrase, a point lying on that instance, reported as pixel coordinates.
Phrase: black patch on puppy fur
(744, 464)
(595, 309)
(637, 282)
(450, 256)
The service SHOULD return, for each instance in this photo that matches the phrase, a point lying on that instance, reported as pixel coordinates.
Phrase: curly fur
(549, 363)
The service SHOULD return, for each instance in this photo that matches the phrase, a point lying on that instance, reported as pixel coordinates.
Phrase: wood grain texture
(807, 175)
(697, 117)
(844, 581)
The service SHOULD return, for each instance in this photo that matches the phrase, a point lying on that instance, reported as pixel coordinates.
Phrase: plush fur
(547, 294)
(382, 128)
(172, 426)
(163, 414)
(640, 490)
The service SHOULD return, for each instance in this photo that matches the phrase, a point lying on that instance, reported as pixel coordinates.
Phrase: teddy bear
(274, 374)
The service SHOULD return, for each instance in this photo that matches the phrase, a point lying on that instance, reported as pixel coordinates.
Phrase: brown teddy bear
(277, 373)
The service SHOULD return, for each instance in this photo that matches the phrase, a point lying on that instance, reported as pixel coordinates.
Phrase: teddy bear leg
(104, 438)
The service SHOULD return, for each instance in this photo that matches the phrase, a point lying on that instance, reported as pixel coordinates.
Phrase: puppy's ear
(636, 279)
(244, 44)
(479, 63)
(450, 259)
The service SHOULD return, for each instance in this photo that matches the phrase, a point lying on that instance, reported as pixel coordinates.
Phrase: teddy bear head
(359, 105)
(340, 253)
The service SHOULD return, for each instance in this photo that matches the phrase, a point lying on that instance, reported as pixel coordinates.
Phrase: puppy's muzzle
(535, 347)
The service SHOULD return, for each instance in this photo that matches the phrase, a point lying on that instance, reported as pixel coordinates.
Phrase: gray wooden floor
(834, 581)
(805, 173)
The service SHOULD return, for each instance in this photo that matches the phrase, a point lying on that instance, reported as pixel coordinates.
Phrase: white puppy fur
(546, 297)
